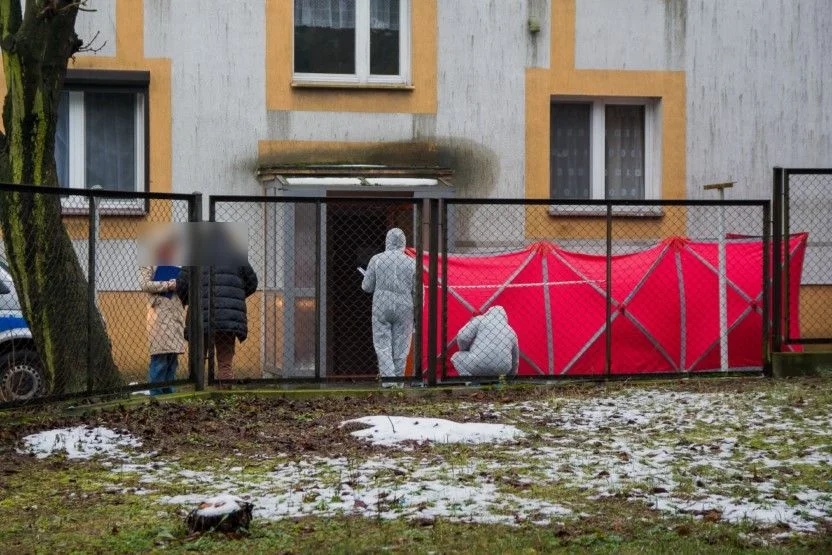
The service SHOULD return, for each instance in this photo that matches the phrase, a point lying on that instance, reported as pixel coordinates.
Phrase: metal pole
(777, 253)
(318, 311)
(608, 301)
(97, 229)
(418, 293)
(723, 291)
(766, 290)
(209, 333)
(433, 248)
(786, 289)
(444, 296)
(92, 239)
(723, 279)
(196, 337)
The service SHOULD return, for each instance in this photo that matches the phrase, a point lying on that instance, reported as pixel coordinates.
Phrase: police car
(21, 372)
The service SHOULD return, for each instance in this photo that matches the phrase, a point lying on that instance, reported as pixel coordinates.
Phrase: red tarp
(665, 305)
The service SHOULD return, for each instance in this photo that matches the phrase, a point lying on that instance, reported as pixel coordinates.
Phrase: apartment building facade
(589, 99)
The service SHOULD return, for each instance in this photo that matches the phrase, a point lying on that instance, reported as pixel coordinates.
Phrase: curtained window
(100, 140)
(325, 36)
(384, 37)
(570, 150)
(110, 141)
(624, 163)
(602, 149)
(359, 41)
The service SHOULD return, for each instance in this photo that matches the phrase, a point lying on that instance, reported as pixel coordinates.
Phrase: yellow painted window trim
(286, 91)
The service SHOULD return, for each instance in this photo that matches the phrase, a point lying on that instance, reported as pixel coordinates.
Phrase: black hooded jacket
(230, 286)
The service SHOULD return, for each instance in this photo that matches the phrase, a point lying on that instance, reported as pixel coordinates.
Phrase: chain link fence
(540, 291)
(470, 290)
(807, 202)
(75, 318)
(310, 319)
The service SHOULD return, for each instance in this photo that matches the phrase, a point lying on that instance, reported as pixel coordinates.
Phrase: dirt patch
(268, 425)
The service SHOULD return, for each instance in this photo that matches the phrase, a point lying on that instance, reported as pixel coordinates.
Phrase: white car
(21, 371)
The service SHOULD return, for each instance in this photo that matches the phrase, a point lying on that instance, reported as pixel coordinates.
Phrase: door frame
(279, 187)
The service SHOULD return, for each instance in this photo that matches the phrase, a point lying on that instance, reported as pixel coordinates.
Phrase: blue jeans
(162, 369)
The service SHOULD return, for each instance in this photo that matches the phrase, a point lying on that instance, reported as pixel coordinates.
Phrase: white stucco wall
(635, 34)
(102, 20)
(217, 51)
(755, 72)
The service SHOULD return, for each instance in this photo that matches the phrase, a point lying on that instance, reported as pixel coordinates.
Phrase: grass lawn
(691, 466)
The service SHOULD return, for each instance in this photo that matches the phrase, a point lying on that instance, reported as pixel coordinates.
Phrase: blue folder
(166, 273)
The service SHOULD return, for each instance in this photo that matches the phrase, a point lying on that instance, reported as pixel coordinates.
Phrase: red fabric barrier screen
(665, 305)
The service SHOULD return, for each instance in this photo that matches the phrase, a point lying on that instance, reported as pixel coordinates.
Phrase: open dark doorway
(355, 231)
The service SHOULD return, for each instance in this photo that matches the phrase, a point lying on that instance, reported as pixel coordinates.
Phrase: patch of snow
(219, 505)
(327, 487)
(735, 455)
(393, 430)
(766, 513)
(80, 442)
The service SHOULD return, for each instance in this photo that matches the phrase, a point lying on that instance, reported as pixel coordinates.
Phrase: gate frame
(782, 232)
(417, 205)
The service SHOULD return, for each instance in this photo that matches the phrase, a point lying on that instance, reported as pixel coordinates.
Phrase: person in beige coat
(165, 323)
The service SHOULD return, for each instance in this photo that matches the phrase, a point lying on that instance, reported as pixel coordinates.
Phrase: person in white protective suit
(487, 346)
(389, 277)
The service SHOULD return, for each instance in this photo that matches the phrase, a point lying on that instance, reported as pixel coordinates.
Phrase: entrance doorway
(355, 231)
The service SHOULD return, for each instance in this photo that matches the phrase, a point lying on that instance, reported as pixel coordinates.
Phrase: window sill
(349, 85)
(132, 208)
(571, 211)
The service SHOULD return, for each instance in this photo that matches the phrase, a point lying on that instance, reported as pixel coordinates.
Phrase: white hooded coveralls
(487, 346)
(390, 278)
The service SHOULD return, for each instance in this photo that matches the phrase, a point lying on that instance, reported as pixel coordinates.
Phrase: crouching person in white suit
(389, 277)
(487, 346)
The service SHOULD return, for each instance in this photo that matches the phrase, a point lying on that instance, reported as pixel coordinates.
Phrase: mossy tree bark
(37, 44)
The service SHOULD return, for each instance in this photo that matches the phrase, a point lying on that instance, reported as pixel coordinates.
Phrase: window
(603, 149)
(100, 140)
(352, 41)
(101, 136)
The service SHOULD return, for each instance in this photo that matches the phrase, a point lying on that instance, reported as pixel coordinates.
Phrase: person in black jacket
(230, 286)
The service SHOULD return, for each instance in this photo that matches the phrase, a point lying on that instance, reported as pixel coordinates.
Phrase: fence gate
(310, 320)
(802, 208)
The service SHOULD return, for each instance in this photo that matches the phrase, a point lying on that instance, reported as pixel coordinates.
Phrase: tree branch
(53, 8)
(90, 46)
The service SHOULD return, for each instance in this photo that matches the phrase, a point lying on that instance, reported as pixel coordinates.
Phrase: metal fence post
(92, 239)
(608, 301)
(196, 347)
(766, 288)
(777, 250)
(433, 248)
(443, 213)
(318, 287)
(208, 334)
(418, 293)
(785, 240)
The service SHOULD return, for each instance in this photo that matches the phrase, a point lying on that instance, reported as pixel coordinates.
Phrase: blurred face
(166, 251)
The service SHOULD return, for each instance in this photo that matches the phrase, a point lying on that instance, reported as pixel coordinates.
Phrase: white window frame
(597, 139)
(362, 75)
(78, 159)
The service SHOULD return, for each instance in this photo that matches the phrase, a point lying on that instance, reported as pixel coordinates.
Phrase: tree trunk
(36, 46)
